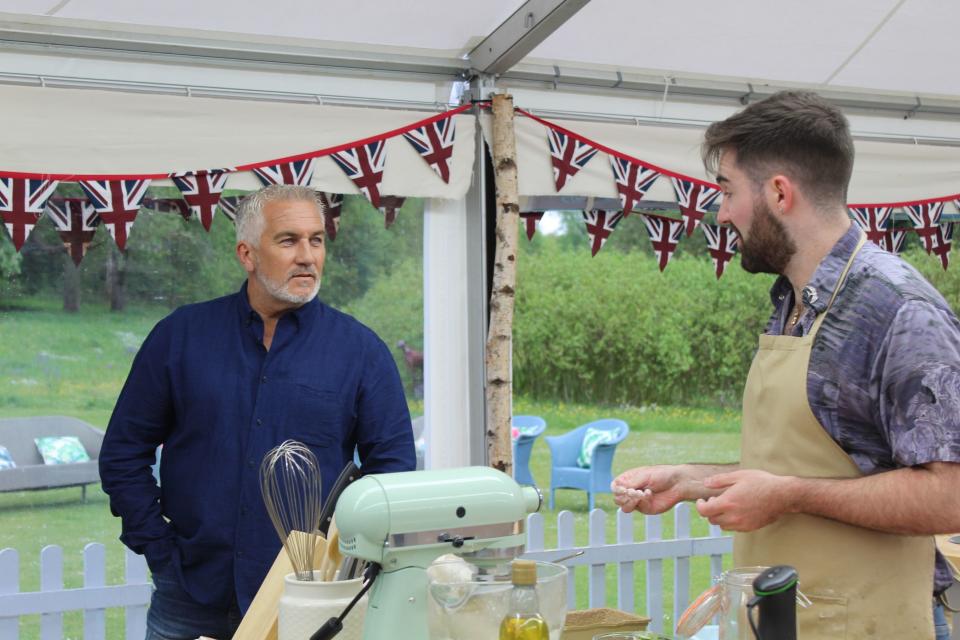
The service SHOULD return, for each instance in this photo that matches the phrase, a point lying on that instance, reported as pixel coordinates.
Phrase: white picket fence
(625, 552)
(95, 596)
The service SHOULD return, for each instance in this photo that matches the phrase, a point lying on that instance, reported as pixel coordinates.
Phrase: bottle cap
(524, 572)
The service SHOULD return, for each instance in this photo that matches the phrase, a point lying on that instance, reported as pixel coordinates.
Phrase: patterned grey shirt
(884, 373)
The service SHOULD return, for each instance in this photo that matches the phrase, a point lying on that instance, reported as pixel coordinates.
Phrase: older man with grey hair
(220, 383)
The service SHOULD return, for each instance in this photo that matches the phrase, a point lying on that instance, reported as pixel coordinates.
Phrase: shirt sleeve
(139, 424)
(919, 369)
(384, 432)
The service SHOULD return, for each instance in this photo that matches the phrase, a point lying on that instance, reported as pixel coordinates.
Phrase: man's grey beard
(279, 291)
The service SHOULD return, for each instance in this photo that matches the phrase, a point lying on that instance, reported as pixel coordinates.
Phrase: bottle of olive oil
(523, 620)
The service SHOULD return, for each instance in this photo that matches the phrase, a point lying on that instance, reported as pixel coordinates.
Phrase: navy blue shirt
(204, 386)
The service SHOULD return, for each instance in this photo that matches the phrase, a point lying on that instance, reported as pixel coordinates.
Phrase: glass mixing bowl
(463, 605)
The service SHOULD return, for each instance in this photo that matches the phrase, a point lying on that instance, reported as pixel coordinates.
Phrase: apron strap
(840, 282)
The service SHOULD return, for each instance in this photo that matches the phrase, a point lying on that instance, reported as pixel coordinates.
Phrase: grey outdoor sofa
(17, 435)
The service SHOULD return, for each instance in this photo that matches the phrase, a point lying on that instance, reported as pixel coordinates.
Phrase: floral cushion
(592, 439)
(6, 460)
(61, 450)
(516, 432)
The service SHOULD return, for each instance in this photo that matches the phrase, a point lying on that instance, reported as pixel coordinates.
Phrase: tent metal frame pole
(199, 91)
(532, 23)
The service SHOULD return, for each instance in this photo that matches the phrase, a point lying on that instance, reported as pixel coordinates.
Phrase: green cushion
(592, 439)
(61, 450)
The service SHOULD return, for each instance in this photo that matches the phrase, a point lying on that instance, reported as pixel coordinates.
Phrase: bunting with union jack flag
(873, 221)
(364, 166)
(568, 155)
(665, 234)
(298, 172)
(892, 241)
(632, 180)
(942, 241)
(694, 200)
(202, 191)
(332, 206)
(722, 245)
(600, 224)
(117, 202)
(434, 143)
(76, 221)
(926, 221)
(228, 206)
(530, 220)
(22, 201)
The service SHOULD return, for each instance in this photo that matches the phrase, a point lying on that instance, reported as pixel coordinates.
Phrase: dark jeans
(174, 615)
(940, 622)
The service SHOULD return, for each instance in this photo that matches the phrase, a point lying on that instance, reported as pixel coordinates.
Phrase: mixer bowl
(461, 606)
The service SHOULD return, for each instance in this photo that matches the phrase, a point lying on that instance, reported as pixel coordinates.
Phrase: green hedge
(614, 329)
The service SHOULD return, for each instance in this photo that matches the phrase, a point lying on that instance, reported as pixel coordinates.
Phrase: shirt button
(250, 463)
(239, 554)
(243, 511)
(259, 422)
(263, 379)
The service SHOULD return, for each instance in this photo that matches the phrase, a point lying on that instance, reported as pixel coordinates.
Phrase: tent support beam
(520, 34)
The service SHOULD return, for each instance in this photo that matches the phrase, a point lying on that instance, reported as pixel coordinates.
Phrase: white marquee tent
(119, 87)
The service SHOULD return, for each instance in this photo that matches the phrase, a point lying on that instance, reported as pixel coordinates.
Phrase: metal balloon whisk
(290, 484)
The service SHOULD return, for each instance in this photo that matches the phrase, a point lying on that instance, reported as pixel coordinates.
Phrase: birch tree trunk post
(499, 385)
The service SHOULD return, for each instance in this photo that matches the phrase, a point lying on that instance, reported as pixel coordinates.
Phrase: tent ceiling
(888, 46)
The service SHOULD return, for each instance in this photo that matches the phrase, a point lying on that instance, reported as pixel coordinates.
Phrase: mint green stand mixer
(404, 521)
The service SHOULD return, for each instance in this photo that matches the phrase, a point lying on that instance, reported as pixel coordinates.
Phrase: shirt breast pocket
(315, 417)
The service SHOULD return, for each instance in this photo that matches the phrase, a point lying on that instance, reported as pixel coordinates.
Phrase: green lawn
(75, 365)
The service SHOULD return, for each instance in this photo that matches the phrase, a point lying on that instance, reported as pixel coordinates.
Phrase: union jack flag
(926, 220)
(298, 172)
(694, 199)
(434, 143)
(633, 180)
(942, 241)
(722, 245)
(21, 204)
(76, 221)
(202, 191)
(391, 205)
(364, 165)
(892, 241)
(168, 205)
(530, 219)
(228, 205)
(665, 234)
(569, 155)
(117, 202)
(332, 206)
(600, 224)
(873, 220)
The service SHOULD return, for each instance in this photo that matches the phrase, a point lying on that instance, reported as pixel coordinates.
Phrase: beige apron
(863, 583)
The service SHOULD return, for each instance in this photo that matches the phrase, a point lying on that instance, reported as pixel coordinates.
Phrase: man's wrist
(796, 491)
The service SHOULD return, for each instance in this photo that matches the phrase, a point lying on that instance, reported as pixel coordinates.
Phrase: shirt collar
(817, 292)
(302, 315)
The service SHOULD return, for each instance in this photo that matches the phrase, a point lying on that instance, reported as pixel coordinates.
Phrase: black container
(775, 601)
